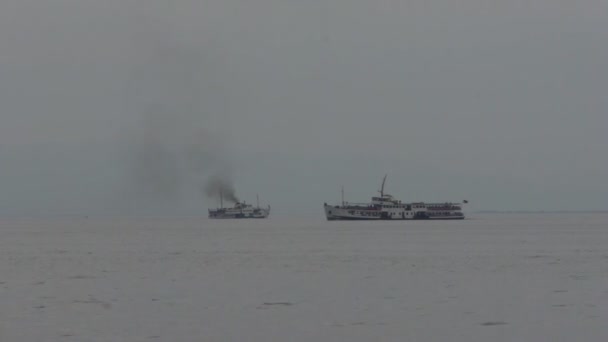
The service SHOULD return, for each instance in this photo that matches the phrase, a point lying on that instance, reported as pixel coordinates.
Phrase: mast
(257, 200)
(221, 199)
(382, 187)
(342, 195)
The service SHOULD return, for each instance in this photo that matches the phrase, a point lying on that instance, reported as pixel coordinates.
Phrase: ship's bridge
(384, 199)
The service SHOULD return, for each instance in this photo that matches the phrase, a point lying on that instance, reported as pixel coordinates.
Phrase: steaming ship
(241, 210)
(385, 207)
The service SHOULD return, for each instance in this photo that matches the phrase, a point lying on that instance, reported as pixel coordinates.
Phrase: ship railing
(444, 207)
(355, 203)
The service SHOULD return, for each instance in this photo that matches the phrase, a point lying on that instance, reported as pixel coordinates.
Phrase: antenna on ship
(382, 187)
(342, 195)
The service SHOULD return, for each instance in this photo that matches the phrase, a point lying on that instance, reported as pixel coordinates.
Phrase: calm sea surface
(493, 277)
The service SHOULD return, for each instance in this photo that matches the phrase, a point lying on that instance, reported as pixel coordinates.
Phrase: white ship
(241, 210)
(384, 207)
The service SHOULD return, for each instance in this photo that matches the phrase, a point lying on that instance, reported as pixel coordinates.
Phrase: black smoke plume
(180, 146)
(221, 187)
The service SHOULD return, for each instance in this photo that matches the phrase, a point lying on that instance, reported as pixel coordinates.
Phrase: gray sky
(502, 103)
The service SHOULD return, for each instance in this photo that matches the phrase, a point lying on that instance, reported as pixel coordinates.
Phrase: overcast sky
(503, 103)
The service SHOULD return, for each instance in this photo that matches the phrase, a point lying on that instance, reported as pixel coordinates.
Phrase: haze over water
(499, 103)
(122, 120)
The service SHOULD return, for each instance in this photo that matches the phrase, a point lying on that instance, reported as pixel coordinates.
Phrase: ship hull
(347, 218)
(337, 213)
(446, 217)
(235, 217)
(239, 214)
(449, 215)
